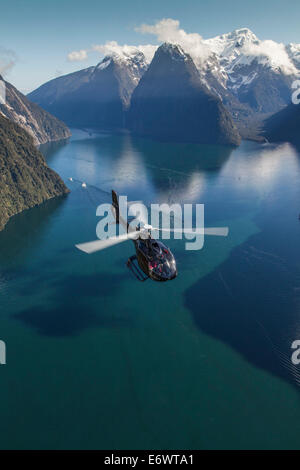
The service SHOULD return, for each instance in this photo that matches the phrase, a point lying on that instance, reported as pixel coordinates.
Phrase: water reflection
(50, 149)
(262, 168)
(130, 167)
(256, 310)
(141, 168)
(179, 171)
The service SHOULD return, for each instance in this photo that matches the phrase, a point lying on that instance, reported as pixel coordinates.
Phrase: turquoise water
(96, 359)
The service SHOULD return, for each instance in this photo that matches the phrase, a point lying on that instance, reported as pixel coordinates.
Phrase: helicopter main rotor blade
(217, 231)
(97, 245)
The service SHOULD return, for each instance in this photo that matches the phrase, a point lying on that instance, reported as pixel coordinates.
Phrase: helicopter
(153, 259)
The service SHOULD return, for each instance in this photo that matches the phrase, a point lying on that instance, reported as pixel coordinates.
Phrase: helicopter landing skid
(132, 264)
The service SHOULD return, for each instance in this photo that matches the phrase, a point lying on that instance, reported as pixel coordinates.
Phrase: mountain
(258, 73)
(38, 123)
(293, 51)
(284, 125)
(171, 102)
(251, 77)
(25, 179)
(96, 96)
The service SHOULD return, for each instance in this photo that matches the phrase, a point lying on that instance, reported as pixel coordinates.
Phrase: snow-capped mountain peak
(124, 57)
(173, 51)
(133, 60)
(242, 47)
(228, 46)
(104, 63)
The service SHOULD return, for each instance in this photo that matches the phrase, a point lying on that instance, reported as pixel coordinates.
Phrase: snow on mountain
(240, 68)
(129, 57)
(230, 46)
(252, 77)
(257, 73)
(293, 51)
(174, 51)
(240, 49)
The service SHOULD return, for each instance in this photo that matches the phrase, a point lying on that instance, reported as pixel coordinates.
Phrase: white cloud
(112, 47)
(7, 60)
(168, 30)
(275, 53)
(78, 56)
(165, 30)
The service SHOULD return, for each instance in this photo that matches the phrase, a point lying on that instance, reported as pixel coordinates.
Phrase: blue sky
(42, 33)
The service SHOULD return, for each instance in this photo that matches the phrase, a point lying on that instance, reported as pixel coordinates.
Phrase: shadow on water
(251, 301)
(179, 168)
(51, 148)
(190, 157)
(297, 148)
(69, 314)
(26, 229)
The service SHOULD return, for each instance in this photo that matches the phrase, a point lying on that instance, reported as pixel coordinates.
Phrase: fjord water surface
(96, 359)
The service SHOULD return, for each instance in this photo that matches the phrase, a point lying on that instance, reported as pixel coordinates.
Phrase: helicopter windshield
(162, 262)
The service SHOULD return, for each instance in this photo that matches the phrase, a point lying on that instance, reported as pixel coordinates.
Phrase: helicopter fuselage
(155, 259)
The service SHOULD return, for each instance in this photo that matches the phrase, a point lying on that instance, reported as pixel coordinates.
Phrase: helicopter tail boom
(115, 204)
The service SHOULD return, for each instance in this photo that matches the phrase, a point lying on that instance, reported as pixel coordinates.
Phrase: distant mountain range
(25, 180)
(251, 78)
(101, 97)
(38, 123)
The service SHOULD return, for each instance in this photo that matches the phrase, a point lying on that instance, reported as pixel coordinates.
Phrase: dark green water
(96, 359)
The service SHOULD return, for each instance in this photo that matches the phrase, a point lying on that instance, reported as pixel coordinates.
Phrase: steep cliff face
(96, 96)
(41, 125)
(172, 103)
(25, 178)
(284, 126)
